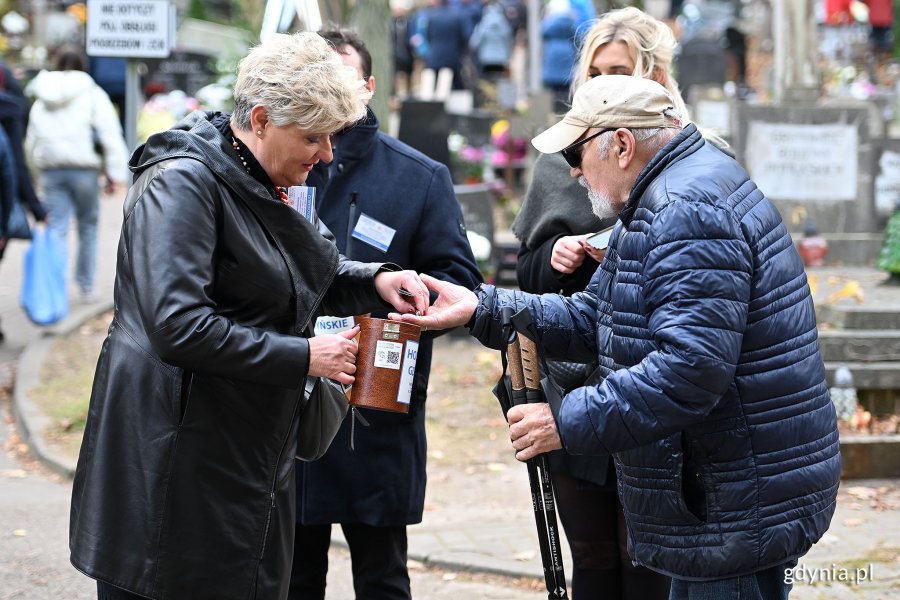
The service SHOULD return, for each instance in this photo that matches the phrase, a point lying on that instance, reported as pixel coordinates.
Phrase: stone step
(860, 249)
(869, 376)
(841, 345)
(866, 457)
(859, 317)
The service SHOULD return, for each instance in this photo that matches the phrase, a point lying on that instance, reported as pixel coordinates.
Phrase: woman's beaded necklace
(281, 191)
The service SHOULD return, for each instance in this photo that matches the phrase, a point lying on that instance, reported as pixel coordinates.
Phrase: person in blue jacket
(715, 407)
(378, 489)
(446, 33)
(492, 42)
(558, 31)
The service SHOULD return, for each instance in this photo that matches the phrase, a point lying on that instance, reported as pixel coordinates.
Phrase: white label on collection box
(408, 372)
(388, 354)
(333, 325)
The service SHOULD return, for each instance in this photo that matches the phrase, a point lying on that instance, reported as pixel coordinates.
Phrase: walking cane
(525, 378)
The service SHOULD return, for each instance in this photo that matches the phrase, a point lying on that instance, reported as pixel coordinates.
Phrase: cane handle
(516, 374)
(531, 370)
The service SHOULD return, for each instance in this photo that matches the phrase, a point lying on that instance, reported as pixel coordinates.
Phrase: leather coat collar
(311, 259)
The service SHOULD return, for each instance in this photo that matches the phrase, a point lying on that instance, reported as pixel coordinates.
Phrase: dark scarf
(555, 203)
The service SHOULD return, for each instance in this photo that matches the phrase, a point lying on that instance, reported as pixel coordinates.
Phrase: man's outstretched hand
(454, 306)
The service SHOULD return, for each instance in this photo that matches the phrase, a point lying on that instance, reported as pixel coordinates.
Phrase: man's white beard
(601, 205)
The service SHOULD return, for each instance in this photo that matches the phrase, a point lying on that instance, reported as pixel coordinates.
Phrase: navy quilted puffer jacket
(717, 409)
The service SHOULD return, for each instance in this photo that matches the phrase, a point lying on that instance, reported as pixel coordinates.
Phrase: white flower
(481, 246)
(455, 141)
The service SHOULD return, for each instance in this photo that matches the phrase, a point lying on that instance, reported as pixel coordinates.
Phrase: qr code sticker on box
(388, 355)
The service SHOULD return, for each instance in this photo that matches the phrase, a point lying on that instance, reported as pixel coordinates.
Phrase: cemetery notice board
(887, 178)
(812, 161)
(129, 28)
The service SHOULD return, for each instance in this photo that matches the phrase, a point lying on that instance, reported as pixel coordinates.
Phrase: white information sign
(803, 162)
(128, 28)
(887, 182)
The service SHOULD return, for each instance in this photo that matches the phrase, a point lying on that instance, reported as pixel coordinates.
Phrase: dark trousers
(106, 591)
(768, 584)
(595, 527)
(377, 554)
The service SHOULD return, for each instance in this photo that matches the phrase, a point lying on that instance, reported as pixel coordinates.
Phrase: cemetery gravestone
(425, 125)
(815, 157)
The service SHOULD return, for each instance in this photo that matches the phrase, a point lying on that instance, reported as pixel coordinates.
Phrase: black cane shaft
(553, 541)
(541, 523)
(525, 378)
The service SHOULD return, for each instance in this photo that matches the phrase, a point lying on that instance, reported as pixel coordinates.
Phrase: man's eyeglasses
(572, 152)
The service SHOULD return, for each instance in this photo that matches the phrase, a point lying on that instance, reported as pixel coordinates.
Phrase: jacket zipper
(628, 528)
(313, 308)
(272, 487)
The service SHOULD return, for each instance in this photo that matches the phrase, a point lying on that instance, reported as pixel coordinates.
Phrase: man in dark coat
(378, 489)
(716, 407)
(447, 35)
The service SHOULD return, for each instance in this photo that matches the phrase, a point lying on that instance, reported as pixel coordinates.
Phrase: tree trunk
(334, 11)
(796, 47)
(372, 20)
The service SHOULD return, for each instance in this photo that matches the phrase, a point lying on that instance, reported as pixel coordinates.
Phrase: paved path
(483, 527)
(34, 503)
(34, 498)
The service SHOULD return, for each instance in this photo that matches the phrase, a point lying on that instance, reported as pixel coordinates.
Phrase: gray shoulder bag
(324, 408)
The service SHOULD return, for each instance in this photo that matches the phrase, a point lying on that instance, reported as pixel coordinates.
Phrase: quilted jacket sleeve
(565, 324)
(693, 291)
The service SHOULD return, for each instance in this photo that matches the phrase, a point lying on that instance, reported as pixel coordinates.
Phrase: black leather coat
(185, 481)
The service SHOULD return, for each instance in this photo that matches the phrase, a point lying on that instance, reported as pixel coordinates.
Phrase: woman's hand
(568, 253)
(404, 290)
(334, 356)
(595, 253)
(454, 306)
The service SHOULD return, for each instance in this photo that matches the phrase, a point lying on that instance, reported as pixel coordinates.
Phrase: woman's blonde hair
(650, 43)
(300, 80)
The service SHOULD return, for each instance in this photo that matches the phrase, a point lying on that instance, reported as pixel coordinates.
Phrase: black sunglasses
(572, 152)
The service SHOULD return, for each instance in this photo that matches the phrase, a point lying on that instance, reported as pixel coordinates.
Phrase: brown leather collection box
(385, 364)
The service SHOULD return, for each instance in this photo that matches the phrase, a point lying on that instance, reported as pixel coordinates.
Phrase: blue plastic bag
(43, 296)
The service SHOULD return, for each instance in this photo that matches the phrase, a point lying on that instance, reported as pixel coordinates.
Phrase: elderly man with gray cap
(716, 407)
